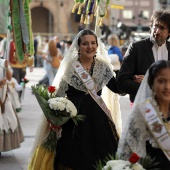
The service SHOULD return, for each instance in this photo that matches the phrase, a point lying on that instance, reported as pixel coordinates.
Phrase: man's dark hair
(161, 15)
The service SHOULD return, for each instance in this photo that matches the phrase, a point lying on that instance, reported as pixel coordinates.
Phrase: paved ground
(29, 117)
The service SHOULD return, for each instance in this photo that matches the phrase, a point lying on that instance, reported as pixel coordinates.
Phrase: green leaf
(42, 102)
(50, 142)
(78, 118)
(148, 163)
(99, 165)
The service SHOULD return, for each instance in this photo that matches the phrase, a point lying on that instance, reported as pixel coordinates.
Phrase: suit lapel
(148, 48)
(168, 48)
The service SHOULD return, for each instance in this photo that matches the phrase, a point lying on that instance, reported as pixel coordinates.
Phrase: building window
(127, 14)
(145, 14)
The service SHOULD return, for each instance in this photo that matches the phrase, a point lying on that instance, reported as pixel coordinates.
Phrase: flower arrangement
(25, 80)
(57, 110)
(127, 165)
(134, 163)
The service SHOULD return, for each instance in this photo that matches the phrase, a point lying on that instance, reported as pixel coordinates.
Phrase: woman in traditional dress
(81, 147)
(148, 129)
(10, 131)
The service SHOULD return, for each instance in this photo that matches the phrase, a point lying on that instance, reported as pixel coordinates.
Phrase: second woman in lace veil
(148, 129)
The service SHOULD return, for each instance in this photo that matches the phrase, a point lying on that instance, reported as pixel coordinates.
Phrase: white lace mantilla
(101, 76)
(136, 133)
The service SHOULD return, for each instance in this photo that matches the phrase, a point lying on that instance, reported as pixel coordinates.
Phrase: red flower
(25, 80)
(134, 158)
(51, 89)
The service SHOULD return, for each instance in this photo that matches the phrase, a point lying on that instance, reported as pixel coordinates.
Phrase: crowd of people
(84, 69)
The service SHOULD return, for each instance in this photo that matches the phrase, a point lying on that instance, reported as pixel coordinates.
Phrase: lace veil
(133, 138)
(63, 74)
(72, 54)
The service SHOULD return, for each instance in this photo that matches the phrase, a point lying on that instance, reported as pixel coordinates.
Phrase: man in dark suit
(140, 55)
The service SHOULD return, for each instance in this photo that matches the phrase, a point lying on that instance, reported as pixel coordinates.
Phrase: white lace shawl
(135, 133)
(101, 76)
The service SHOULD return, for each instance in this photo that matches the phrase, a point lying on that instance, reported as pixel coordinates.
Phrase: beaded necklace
(89, 70)
(165, 120)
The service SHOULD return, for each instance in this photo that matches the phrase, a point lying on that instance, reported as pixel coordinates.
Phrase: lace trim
(101, 76)
(134, 136)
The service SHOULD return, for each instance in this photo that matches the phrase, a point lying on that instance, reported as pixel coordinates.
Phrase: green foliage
(149, 163)
(50, 142)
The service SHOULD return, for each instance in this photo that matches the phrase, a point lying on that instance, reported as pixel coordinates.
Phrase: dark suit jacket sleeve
(127, 71)
(112, 85)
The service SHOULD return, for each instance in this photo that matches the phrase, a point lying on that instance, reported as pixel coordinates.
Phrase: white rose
(137, 166)
(60, 106)
(56, 105)
(70, 108)
(117, 165)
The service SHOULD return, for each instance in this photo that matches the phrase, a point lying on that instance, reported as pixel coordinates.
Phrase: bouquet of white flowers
(122, 165)
(134, 163)
(57, 110)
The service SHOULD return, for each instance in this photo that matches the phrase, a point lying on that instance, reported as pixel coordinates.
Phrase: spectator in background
(45, 80)
(57, 40)
(68, 44)
(19, 67)
(35, 52)
(48, 54)
(105, 32)
(116, 58)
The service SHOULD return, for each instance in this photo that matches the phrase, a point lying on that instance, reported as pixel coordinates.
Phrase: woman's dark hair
(155, 69)
(86, 32)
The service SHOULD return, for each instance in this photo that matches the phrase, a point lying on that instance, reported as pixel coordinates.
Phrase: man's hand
(138, 78)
